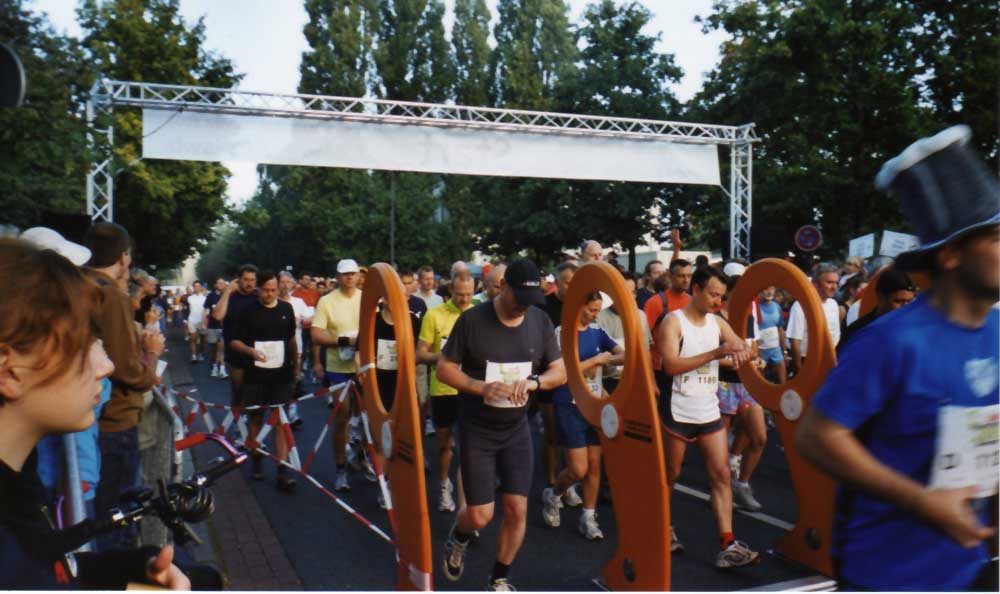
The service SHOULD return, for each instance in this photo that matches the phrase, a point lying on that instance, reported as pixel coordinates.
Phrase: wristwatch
(538, 381)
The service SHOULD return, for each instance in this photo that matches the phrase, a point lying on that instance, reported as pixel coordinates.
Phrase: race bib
(769, 338)
(385, 359)
(274, 352)
(507, 373)
(346, 353)
(968, 449)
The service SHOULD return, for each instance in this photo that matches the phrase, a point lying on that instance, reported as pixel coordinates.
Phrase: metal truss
(100, 178)
(107, 94)
(740, 199)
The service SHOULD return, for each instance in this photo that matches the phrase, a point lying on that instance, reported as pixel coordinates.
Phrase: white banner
(894, 244)
(193, 136)
(863, 246)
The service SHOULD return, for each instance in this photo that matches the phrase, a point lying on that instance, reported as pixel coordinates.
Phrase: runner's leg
(754, 437)
(715, 451)
(512, 529)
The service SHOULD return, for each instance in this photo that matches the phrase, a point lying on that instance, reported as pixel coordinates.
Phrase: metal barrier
(631, 439)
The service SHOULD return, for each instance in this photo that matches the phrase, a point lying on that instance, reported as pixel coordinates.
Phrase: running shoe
(214, 372)
(454, 556)
(285, 483)
(369, 471)
(194, 358)
(293, 415)
(675, 543)
(736, 554)
(446, 503)
(340, 481)
(550, 510)
(571, 498)
(743, 498)
(500, 585)
(588, 527)
(223, 374)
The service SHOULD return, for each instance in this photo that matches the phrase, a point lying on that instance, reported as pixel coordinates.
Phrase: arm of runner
(554, 376)
(796, 358)
(240, 347)
(675, 239)
(424, 354)
(835, 450)
(741, 354)
(219, 311)
(318, 369)
(670, 345)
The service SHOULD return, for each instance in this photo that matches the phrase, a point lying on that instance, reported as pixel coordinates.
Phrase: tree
(44, 155)
(470, 38)
(169, 207)
(621, 75)
(837, 88)
(413, 58)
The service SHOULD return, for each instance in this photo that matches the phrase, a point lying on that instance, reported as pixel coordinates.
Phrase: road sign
(808, 238)
(863, 246)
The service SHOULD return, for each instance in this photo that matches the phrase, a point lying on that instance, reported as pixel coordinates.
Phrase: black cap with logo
(523, 277)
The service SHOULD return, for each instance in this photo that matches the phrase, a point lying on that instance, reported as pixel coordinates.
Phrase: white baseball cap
(48, 239)
(347, 266)
(734, 269)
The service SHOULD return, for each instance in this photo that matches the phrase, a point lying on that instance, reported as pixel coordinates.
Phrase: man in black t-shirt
(238, 294)
(497, 353)
(265, 335)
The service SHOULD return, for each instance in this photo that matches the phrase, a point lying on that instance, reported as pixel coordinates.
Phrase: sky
(264, 40)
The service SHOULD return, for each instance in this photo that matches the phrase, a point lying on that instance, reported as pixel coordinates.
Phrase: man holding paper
(265, 334)
(497, 354)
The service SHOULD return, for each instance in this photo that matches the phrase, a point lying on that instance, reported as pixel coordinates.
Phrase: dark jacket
(32, 552)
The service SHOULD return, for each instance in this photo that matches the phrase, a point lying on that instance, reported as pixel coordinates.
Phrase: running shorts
(733, 397)
(444, 411)
(688, 432)
(485, 455)
(213, 335)
(267, 393)
(772, 356)
(574, 430)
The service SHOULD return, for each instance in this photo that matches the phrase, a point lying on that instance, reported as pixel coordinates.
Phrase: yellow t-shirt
(340, 316)
(434, 330)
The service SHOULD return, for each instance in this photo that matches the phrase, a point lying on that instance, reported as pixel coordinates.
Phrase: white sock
(587, 513)
(741, 484)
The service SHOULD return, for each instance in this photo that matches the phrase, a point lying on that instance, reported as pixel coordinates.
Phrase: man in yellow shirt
(434, 331)
(336, 325)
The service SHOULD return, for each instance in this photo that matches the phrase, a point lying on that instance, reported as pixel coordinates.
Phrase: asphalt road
(331, 550)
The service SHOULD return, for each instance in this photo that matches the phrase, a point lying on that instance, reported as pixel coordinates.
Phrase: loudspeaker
(12, 80)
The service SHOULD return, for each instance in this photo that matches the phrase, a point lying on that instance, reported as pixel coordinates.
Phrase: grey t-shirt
(481, 343)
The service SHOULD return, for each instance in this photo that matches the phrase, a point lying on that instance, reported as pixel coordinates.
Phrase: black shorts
(687, 432)
(266, 393)
(444, 411)
(544, 396)
(485, 455)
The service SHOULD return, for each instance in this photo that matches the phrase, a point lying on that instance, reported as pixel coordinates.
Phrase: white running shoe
(446, 503)
(500, 585)
(340, 481)
(588, 527)
(223, 374)
(675, 543)
(571, 498)
(736, 554)
(550, 511)
(215, 371)
(454, 556)
(743, 498)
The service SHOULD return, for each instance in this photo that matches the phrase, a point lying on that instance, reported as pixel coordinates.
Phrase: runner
(907, 420)
(550, 448)
(336, 325)
(238, 294)
(742, 416)
(308, 293)
(213, 331)
(893, 290)
(264, 333)
(772, 336)
(824, 278)
(591, 251)
(650, 273)
(693, 341)
(577, 437)
(286, 283)
(492, 282)
(434, 332)
(196, 313)
(493, 357)
(611, 321)
(657, 308)
(428, 286)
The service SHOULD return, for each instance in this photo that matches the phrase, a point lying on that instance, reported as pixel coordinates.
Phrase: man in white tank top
(693, 340)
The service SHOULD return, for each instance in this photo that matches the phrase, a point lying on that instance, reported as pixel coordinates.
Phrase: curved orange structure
(397, 432)
(809, 542)
(630, 438)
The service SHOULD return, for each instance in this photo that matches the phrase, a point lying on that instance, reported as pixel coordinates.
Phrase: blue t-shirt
(889, 387)
(770, 315)
(591, 342)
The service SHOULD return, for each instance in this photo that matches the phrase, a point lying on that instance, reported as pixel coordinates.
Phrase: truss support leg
(740, 199)
(100, 180)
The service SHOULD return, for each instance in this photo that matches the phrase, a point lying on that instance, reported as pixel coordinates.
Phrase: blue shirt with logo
(889, 387)
(591, 342)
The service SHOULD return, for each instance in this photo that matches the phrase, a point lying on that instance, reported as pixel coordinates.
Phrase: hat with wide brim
(944, 190)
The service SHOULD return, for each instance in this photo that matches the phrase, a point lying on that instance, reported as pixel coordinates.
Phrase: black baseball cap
(523, 277)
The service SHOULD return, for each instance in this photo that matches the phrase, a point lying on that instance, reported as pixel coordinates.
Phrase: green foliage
(469, 37)
(169, 207)
(43, 148)
(835, 89)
